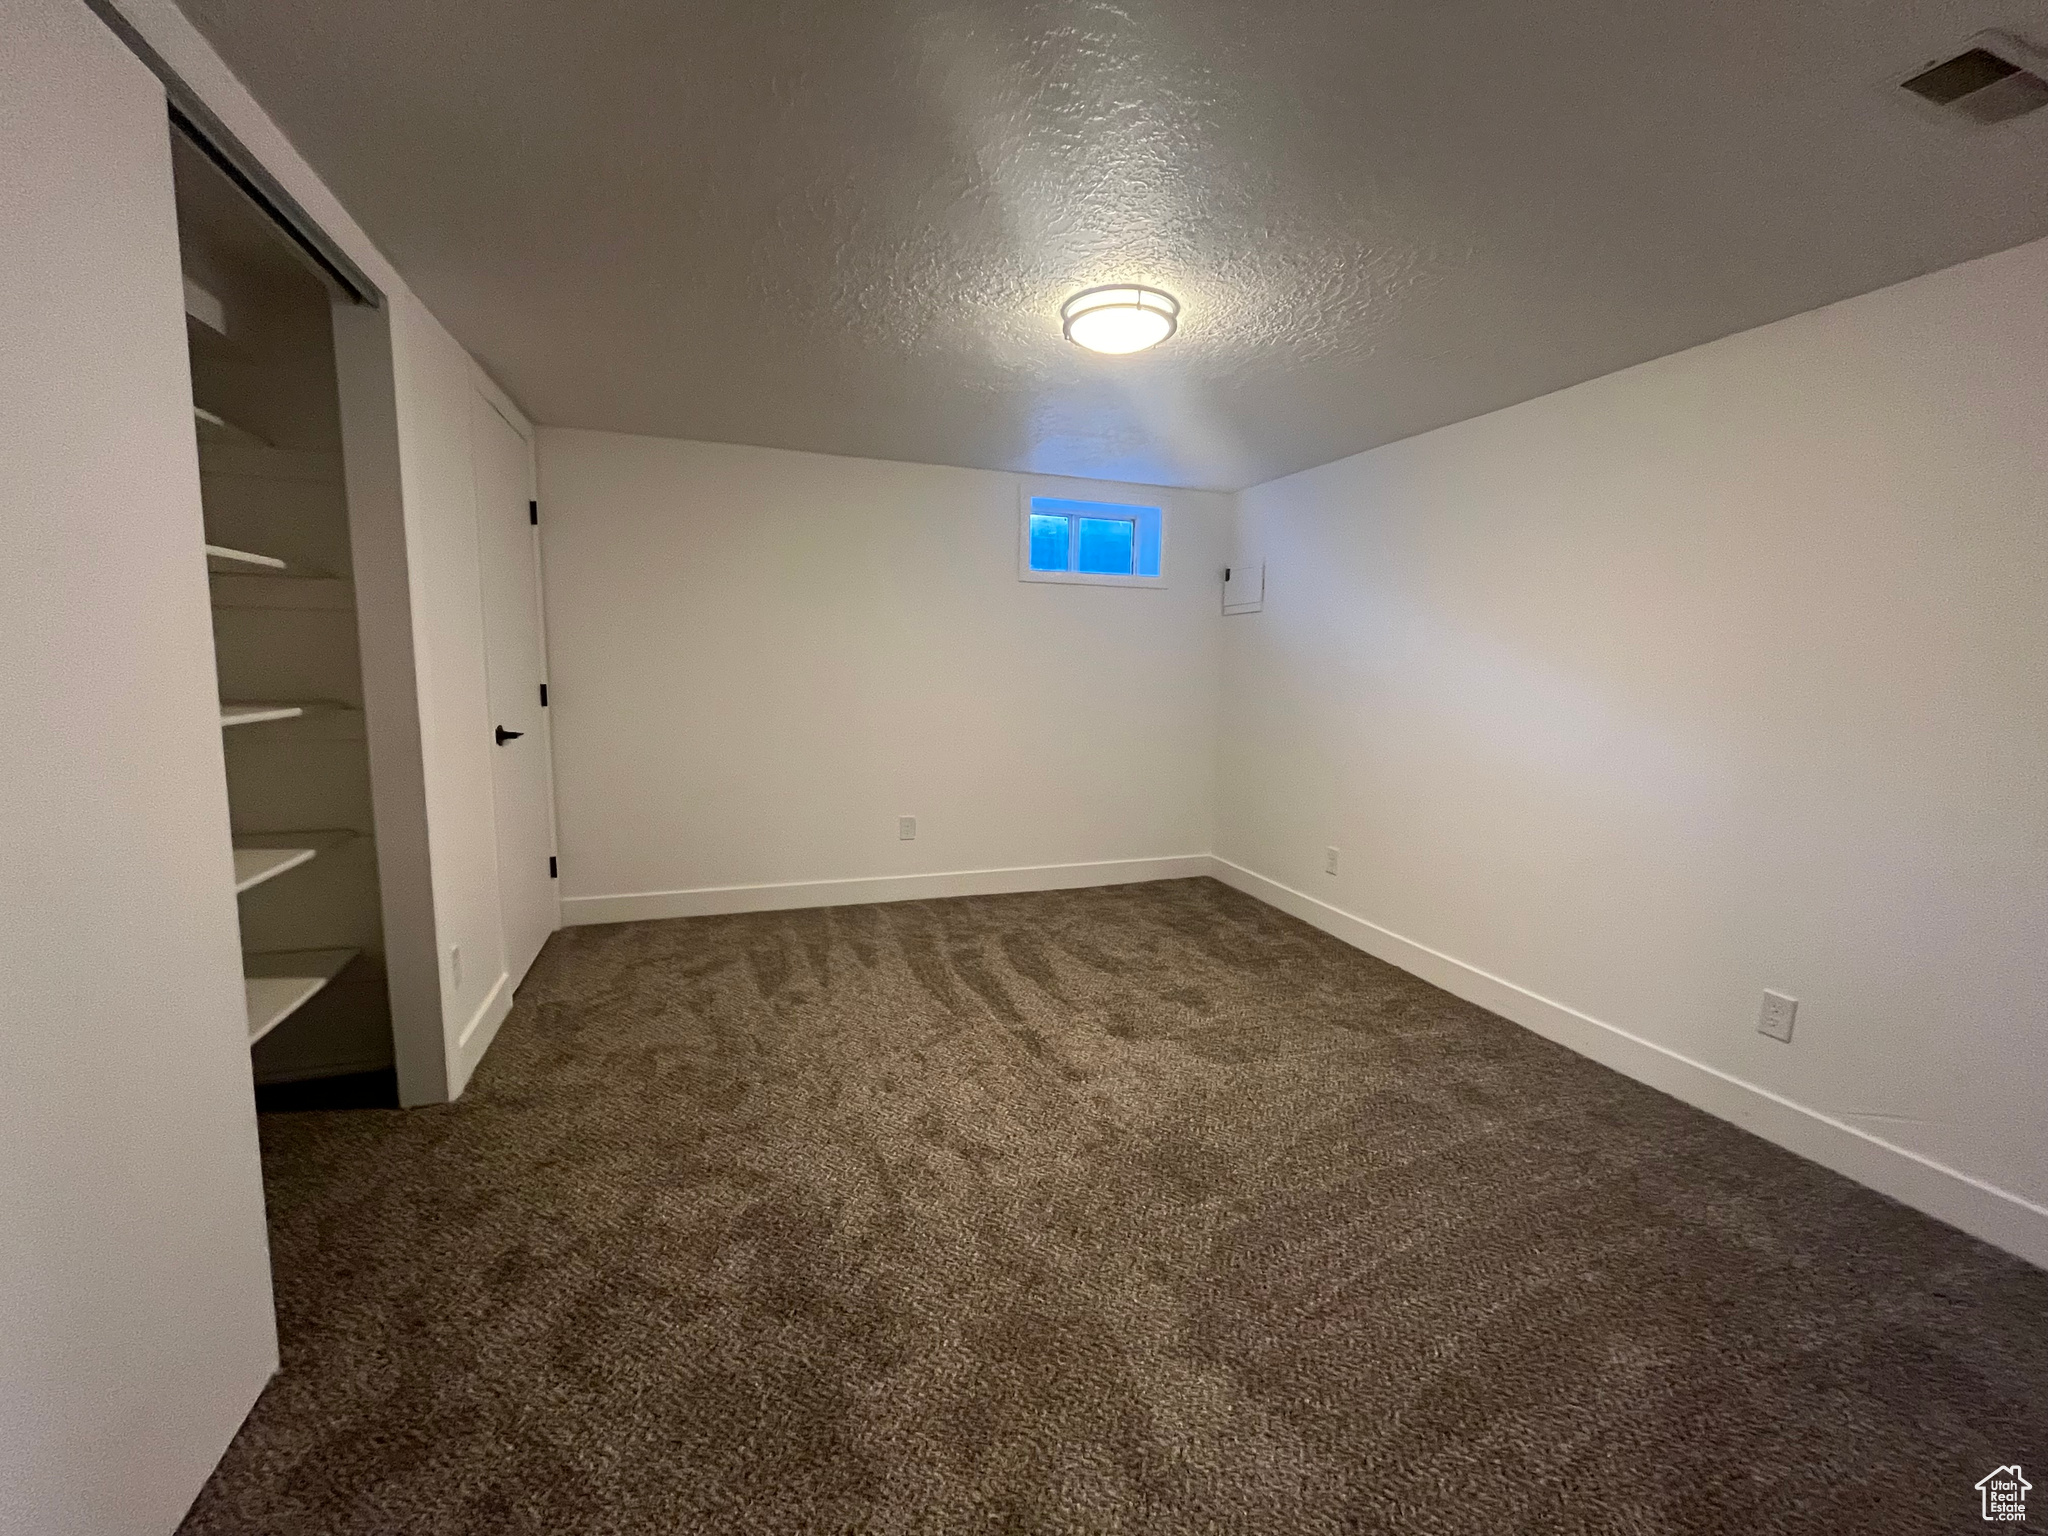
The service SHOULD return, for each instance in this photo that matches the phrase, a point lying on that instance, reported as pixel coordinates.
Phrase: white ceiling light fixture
(1119, 317)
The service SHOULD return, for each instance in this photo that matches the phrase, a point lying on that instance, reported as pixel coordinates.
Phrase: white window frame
(1128, 511)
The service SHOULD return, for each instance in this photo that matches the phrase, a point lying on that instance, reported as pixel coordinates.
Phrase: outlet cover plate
(1776, 1016)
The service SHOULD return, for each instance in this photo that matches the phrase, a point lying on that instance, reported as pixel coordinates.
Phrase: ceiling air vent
(1985, 83)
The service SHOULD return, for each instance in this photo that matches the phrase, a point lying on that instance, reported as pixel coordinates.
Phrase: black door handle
(505, 735)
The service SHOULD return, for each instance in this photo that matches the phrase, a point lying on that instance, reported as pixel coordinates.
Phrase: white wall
(135, 1319)
(1723, 673)
(760, 659)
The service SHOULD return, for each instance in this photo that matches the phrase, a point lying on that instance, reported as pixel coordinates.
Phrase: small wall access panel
(1244, 587)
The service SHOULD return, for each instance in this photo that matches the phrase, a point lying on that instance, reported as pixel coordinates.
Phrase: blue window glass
(1093, 540)
(1048, 543)
(1106, 545)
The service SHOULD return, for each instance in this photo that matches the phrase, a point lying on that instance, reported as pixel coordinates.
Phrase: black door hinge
(551, 868)
(533, 513)
(543, 695)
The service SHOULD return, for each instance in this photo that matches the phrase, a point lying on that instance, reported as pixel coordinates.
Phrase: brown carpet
(1145, 1209)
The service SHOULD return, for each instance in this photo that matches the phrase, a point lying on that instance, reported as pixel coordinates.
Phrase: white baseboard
(1983, 1210)
(708, 901)
(478, 1033)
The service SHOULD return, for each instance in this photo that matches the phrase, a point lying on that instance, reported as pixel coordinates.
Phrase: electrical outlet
(455, 964)
(1776, 1018)
(1329, 861)
(906, 828)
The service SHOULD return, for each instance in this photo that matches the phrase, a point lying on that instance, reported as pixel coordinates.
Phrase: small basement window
(1097, 543)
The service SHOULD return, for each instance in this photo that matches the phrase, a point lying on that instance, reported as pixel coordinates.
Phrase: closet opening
(268, 422)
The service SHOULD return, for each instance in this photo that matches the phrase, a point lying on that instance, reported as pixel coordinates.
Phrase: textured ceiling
(848, 225)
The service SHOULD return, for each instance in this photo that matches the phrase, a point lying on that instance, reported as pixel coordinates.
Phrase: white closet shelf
(261, 855)
(256, 714)
(259, 713)
(206, 308)
(308, 721)
(240, 562)
(253, 866)
(216, 426)
(280, 984)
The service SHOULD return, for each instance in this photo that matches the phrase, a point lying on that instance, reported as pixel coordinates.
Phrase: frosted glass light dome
(1119, 317)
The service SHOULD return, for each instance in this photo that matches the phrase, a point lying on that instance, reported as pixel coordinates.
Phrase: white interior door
(521, 771)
